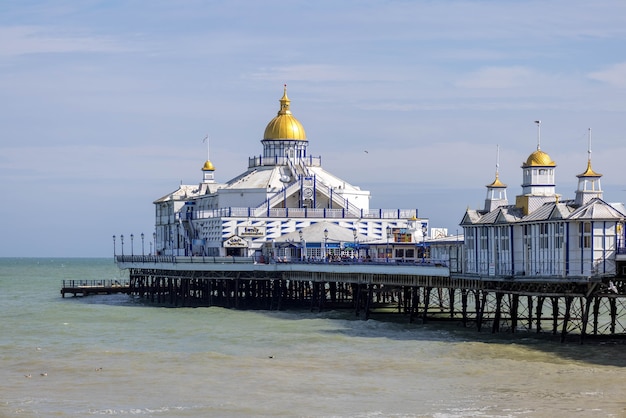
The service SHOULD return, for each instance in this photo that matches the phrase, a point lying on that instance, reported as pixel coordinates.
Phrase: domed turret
(208, 166)
(539, 158)
(589, 185)
(284, 126)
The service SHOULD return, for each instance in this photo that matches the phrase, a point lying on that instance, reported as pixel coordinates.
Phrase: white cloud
(497, 78)
(22, 40)
(614, 75)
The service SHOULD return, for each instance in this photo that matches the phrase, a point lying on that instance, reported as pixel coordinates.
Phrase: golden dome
(497, 184)
(589, 172)
(539, 158)
(284, 125)
(208, 166)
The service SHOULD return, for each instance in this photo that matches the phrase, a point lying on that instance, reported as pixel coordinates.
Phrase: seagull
(28, 376)
(612, 287)
(44, 374)
(366, 151)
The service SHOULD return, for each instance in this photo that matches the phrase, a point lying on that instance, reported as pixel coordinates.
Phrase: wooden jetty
(420, 291)
(94, 287)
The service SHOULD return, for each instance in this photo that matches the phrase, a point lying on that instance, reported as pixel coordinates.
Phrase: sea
(114, 355)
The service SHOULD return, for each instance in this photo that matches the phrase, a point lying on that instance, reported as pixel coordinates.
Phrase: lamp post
(177, 238)
(355, 249)
(325, 244)
(388, 238)
(303, 244)
(424, 231)
(154, 240)
(132, 245)
(171, 231)
(122, 241)
(142, 252)
(150, 247)
(113, 246)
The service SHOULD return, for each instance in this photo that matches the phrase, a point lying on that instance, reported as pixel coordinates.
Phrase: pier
(94, 287)
(421, 292)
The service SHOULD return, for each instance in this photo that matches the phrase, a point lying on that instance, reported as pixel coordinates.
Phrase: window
(543, 235)
(484, 238)
(558, 236)
(585, 229)
(469, 238)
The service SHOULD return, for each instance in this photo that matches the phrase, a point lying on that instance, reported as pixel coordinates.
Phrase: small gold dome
(539, 158)
(208, 166)
(284, 125)
(497, 184)
(589, 172)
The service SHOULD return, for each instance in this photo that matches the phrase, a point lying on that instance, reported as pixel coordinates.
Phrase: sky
(105, 103)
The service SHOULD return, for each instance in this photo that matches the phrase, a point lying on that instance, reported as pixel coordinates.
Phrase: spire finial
(208, 142)
(589, 147)
(284, 102)
(538, 122)
(497, 159)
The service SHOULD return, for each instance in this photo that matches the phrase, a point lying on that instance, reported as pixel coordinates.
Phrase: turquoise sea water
(113, 355)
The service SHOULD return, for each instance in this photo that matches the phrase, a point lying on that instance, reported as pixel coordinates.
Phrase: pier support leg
(464, 306)
(414, 303)
(514, 309)
(370, 295)
(613, 313)
(566, 318)
(539, 311)
(480, 311)
(596, 312)
(495, 327)
(530, 312)
(585, 316)
(451, 297)
(427, 291)
(555, 314)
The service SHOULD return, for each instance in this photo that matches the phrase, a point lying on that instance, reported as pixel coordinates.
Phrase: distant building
(543, 235)
(284, 190)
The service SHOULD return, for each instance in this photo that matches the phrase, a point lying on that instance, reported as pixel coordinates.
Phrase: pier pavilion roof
(551, 210)
(315, 233)
(597, 209)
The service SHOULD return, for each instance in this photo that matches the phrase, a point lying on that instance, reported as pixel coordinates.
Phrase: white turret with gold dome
(284, 136)
(588, 182)
(496, 191)
(538, 184)
(208, 169)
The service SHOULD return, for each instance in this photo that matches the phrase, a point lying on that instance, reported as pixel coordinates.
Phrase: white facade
(542, 235)
(283, 190)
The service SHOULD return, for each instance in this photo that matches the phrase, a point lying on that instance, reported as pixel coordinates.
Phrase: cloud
(614, 75)
(303, 72)
(22, 40)
(497, 78)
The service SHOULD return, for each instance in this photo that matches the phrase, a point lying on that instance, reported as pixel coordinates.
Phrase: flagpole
(538, 122)
(208, 142)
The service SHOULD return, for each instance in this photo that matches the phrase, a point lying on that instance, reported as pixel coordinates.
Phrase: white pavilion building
(543, 235)
(284, 190)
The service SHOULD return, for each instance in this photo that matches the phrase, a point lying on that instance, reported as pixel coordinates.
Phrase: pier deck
(584, 306)
(94, 287)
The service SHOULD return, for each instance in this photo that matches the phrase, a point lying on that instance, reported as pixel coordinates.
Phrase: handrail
(259, 260)
(96, 283)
